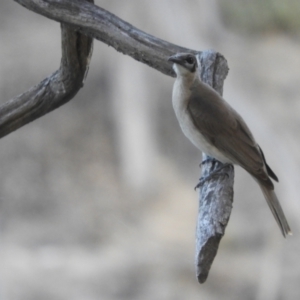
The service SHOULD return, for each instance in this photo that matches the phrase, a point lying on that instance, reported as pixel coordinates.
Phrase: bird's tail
(276, 210)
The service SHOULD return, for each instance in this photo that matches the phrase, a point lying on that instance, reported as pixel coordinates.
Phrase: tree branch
(80, 18)
(104, 26)
(216, 194)
(53, 91)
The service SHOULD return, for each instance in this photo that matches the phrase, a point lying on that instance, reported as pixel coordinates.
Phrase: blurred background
(97, 198)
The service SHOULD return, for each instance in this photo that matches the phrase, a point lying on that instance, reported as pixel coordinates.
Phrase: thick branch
(55, 90)
(216, 194)
(80, 17)
(108, 28)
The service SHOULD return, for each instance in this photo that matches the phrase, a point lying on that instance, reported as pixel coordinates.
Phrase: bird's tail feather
(276, 210)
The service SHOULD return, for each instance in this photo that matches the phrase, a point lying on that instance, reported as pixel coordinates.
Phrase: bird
(216, 129)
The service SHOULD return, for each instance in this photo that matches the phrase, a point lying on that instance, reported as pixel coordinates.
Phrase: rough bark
(56, 89)
(108, 28)
(216, 194)
(80, 18)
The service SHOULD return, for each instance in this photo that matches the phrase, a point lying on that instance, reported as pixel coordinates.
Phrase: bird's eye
(190, 60)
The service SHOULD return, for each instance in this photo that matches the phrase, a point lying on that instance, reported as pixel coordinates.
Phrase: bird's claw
(207, 160)
(214, 173)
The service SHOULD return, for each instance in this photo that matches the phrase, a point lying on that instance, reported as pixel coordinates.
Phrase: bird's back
(225, 130)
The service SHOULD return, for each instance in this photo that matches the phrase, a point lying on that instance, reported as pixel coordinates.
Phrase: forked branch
(81, 22)
(56, 89)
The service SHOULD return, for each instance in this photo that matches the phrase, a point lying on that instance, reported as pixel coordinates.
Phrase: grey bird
(215, 128)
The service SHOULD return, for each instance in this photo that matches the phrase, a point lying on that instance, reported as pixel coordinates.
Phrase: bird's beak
(175, 59)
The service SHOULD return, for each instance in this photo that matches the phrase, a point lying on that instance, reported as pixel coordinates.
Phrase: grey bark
(104, 26)
(80, 18)
(56, 89)
(216, 193)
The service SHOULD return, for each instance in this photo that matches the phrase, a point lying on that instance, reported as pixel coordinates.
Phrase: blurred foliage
(256, 16)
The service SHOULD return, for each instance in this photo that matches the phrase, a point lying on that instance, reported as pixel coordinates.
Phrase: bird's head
(184, 63)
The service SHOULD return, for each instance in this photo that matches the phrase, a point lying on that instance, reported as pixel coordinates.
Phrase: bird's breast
(180, 102)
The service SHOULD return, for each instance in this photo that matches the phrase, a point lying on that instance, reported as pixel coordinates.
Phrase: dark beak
(175, 59)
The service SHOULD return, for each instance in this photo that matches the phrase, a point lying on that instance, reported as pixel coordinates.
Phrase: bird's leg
(202, 180)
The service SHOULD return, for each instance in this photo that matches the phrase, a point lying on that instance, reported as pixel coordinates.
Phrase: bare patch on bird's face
(180, 70)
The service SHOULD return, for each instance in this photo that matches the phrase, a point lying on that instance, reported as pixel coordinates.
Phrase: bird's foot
(207, 160)
(214, 173)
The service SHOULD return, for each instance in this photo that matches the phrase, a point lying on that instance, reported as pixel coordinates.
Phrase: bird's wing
(224, 128)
